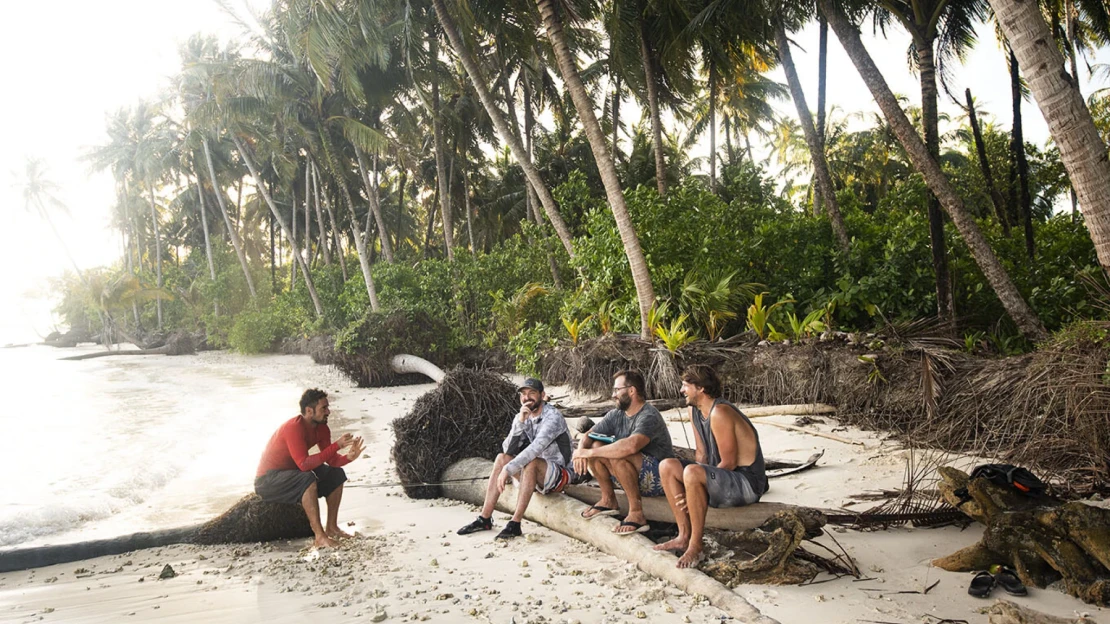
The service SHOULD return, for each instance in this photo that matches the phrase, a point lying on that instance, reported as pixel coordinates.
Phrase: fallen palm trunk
(248, 520)
(100, 354)
(797, 409)
(732, 519)
(562, 514)
(404, 363)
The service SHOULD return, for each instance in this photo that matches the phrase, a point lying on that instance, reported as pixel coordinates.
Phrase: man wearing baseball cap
(536, 455)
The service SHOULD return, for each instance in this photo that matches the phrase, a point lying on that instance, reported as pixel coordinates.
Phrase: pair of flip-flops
(1001, 575)
(609, 511)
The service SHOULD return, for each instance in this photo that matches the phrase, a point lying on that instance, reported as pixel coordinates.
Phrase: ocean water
(115, 445)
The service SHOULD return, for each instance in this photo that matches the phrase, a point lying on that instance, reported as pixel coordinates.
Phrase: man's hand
(356, 449)
(344, 441)
(581, 466)
(502, 480)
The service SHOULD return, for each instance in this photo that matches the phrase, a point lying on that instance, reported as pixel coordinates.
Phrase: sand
(407, 564)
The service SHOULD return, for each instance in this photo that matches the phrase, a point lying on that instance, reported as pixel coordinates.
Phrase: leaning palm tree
(550, 13)
(1012, 300)
(1069, 120)
(39, 198)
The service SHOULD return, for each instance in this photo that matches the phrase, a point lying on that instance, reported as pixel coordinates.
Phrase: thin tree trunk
(400, 205)
(930, 119)
(822, 83)
(1070, 27)
(231, 231)
(985, 166)
(1069, 121)
(820, 165)
(1024, 205)
(728, 140)
(360, 240)
(323, 231)
(293, 239)
(616, 114)
(641, 276)
(1000, 281)
(207, 239)
(308, 213)
(712, 127)
(375, 206)
(469, 225)
(432, 215)
(441, 157)
(273, 258)
(158, 249)
(650, 78)
(334, 224)
(502, 126)
(281, 221)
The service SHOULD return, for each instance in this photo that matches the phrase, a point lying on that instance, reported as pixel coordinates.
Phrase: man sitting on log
(288, 474)
(536, 453)
(729, 471)
(626, 447)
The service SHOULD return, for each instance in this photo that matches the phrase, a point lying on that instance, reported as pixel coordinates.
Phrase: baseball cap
(532, 383)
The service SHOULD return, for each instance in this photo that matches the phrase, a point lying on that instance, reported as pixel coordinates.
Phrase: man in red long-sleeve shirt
(288, 474)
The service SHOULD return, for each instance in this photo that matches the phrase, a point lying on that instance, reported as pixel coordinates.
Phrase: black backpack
(1008, 475)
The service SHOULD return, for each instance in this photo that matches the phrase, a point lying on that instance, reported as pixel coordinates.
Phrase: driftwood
(1041, 537)
(404, 363)
(598, 409)
(562, 514)
(798, 409)
(177, 343)
(732, 519)
(1006, 612)
(248, 520)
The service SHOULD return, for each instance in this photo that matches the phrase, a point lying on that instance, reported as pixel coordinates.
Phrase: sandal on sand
(638, 528)
(1006, 578)
(981, 585)
(601, 511)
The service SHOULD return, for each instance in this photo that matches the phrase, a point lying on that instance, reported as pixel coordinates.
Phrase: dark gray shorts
(727, 488)
(288, 486)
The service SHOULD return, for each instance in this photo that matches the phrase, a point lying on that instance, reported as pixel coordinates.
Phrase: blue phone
(608, 439)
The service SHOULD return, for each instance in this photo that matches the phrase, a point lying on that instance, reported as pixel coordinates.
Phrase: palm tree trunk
(1070, 27)
(335, 236)
(207, 239)
(985, 166)
(822, 84)
(158, 249)
(1015, 305)
(712, 127)
(616, 113)
(651, 79)
(469, 225)
(1024, 205)
(550, 208)
(930, 119)
(641, 276)
(293, 239)
(1069, 120)
(728, 141)
(281, 222)
(308, 214)
(360, 240)
(323, 236)
(231, 231)
(400, 206)
(820, 165)
(375, 206)
(441, 157)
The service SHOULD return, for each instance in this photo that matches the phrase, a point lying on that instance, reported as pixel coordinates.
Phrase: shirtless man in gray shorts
(729, 471)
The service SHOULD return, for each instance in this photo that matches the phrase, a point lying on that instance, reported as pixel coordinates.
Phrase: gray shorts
(288, 486)
(727, 488)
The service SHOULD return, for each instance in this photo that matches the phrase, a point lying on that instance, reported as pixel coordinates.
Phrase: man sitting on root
(536, 453)
(640, 442)
(288, 474)
(729, 471)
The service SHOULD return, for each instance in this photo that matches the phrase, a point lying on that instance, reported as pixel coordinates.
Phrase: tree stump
(1043, 538)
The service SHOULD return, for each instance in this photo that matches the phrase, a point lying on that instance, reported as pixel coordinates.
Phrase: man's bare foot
(691, 558)
(323, 541)
(630, 519)
(677, 544)
(338, 533)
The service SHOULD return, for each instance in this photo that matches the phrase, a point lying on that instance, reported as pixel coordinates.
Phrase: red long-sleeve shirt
(288, 448)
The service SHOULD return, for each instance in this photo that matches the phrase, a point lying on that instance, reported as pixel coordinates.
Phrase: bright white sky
(71, 63)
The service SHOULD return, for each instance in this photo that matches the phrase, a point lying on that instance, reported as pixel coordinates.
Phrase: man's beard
(624, 402)
(689, 401)
(533, 405)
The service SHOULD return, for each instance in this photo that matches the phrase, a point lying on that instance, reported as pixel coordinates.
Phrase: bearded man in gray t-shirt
(635, 440)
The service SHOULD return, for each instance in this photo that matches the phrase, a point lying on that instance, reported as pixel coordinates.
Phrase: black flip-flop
(601, 511)
(1007, 579)
(981, 585)
(637, 528)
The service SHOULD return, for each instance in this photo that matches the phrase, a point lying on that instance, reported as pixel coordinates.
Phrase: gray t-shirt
(648, 422)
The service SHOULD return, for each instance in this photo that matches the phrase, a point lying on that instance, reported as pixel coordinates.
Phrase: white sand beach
(409, 565)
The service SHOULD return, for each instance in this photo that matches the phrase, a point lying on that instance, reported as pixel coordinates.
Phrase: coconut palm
(552, 18)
